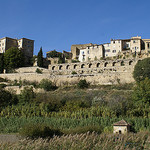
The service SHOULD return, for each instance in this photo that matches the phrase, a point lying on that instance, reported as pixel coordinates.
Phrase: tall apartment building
(26, 46)
(134, 45)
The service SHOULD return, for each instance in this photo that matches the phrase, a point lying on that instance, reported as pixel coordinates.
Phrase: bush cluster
(38, 131)
(47, 85)
(83, 84)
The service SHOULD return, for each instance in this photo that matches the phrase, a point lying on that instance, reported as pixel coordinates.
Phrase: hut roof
(121, 123)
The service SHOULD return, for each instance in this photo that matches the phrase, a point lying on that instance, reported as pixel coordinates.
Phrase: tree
(13, 58)
(141, 92)
(142, 70)
(40, 58)
(1, 63)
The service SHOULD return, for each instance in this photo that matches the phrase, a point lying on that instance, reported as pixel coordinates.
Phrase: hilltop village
(90, 97)
(107, 63)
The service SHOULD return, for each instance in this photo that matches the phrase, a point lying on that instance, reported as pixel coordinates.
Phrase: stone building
(121, 127)
(91, 53)
(75, 49)
(86, 52)
(26, 46)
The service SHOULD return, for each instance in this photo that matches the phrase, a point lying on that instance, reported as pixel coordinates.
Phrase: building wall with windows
(91, 53)
(133, 45)
(26, 46)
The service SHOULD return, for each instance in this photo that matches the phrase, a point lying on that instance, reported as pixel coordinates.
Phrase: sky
(58, 24)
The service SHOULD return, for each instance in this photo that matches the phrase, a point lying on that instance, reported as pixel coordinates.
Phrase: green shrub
(85, 129)
(73, 72)
(27, 95)
(83, 84)
(38, 130)
(2, 86)
(38, 71)
(3, 80)
(6, 98)
(47, 85)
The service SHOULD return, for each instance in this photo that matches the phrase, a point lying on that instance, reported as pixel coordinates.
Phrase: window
(114, 51)
(82, 53)
(114, 42)
(88, 52)
(107, 50)
(119, 41)
(2, 44)
(148, 45)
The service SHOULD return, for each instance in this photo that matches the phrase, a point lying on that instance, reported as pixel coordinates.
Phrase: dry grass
(85, 141)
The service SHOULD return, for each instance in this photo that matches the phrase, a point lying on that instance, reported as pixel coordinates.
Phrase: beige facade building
(75, 49)
(121, 127)
(26, 45)
(91, 53)
(134, 45)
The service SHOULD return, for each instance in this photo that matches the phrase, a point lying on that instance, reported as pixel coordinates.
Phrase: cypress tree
(40, 58)
(1, 63)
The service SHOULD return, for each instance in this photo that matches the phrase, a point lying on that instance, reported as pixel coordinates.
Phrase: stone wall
(96, 72)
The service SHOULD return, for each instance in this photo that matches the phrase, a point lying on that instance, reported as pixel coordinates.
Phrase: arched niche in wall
(122, 63)
(105, 64)
(114, 64)
(130, 62)
(75, 66)
(68, 67)
(83, 66)
(90, 65)
(60, 67)
(98, 65)
(53, 68)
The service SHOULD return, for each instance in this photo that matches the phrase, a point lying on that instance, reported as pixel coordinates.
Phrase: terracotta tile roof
(121, 123)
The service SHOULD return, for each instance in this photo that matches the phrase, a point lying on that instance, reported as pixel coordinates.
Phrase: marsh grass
(85, 141)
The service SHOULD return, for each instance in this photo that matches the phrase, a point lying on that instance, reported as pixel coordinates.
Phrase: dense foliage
(54, 54)
(142, 70)
(13, 58)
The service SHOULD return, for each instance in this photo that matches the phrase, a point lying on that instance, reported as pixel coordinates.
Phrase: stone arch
(53, 68)
(68, 67)
(75, 66)
(122, 63)
(83, 66)
(114, 64)
(60, 67)
(105, 64)
(98, 65)
(130, 62)
(90, 65)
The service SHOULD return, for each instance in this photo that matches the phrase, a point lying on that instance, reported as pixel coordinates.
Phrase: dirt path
(8, 138)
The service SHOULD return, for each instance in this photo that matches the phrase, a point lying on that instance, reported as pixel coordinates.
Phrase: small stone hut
(121, 127)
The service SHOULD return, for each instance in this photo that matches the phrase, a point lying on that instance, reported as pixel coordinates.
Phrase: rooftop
(121, 123)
